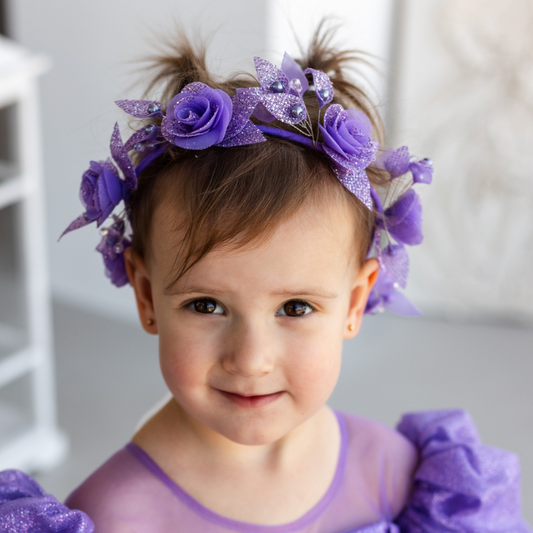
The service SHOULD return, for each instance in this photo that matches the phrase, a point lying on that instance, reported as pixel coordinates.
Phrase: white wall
(96, 46)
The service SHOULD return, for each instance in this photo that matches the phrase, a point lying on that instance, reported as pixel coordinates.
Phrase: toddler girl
(260, 224)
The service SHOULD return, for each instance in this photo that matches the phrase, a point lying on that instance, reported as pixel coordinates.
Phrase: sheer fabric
(459, 485)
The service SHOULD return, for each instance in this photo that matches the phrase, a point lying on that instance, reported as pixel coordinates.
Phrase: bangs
(237, 197)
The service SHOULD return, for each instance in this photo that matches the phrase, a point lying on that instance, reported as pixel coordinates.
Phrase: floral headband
(200, 116)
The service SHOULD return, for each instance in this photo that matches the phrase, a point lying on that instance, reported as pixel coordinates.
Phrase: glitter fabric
(26, 508)
(323, 86)
(140, 108)
(241, 130)
(149, 135)
(461, 484)
(280, 105)
(357, 183)
(122, 159)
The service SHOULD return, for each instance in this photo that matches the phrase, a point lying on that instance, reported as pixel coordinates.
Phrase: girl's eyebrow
(309, 291)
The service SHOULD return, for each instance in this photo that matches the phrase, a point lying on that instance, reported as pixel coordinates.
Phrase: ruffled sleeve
(460, 485)
(26, 508)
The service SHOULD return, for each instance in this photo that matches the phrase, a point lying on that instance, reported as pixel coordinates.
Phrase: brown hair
(235, 196)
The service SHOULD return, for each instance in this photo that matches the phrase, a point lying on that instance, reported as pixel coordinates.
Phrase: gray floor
(107, 375)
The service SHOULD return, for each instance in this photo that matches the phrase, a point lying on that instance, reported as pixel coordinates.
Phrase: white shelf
(25, 446)
(29, 437)
(15, 366)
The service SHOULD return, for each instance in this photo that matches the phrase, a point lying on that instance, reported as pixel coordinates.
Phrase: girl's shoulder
(120, 489)
(384, 459)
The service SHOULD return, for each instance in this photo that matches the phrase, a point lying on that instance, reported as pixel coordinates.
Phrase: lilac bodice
(460, 485)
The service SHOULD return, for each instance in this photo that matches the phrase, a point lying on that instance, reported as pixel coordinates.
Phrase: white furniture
(29, 437)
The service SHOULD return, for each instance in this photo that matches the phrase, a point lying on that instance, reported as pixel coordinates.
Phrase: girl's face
(250, 339)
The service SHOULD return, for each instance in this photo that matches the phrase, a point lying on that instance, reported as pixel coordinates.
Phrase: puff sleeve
(460, 485)
(26, 508)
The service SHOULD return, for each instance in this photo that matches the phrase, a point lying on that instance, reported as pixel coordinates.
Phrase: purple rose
(198, 117)
(347, 138)
(101, 190)
(112, 248)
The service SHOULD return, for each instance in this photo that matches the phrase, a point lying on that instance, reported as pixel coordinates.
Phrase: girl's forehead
(316, 243)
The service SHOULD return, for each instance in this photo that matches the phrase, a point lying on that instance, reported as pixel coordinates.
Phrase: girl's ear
(140, 281)
(365, 279)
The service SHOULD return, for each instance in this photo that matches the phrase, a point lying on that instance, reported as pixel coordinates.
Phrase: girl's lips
(251, 401)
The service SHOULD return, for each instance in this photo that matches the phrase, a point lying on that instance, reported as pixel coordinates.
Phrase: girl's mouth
(250, 401)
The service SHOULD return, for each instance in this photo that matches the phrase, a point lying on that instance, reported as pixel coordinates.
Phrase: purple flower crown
(200, 116)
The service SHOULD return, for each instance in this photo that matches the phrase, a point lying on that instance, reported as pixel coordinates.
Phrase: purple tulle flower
(403, 219)
(112, 248)
(347, 138)
(398, 162)
(385, 296)
(197, 117)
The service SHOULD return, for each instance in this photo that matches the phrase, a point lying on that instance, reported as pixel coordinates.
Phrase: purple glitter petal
(244, 103)
(395, 263)
(323, 86)
(358, 162)
(150, 135)
(260, 113)
(293, 71)
(267, 74)
(122, 159)
(78, 223)
(357, 183)
(250, 134)
(139, 108)
(279, 106)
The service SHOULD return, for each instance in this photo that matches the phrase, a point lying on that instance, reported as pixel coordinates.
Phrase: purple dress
(459, 485)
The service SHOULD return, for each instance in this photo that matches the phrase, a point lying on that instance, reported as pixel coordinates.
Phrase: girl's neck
(172, 432)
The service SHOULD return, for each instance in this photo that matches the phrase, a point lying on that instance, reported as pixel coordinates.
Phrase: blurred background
(454, 82)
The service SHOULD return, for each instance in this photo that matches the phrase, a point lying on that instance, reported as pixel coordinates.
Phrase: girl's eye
(295, 308)
(206, 306)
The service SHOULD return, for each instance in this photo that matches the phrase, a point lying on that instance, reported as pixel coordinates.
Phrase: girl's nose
(248, 352)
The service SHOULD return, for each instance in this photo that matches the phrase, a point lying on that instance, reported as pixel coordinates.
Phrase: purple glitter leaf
(76, 224)
(150, 134)
(261, 113)
(293, 71)
(250, 134)
(422, 171)
(281, 107)
(244, 103)
(357, 183)
(395, 263)
(140, 108)
(403, 219)
(122, 159)
(267, 74)
(323, 86)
